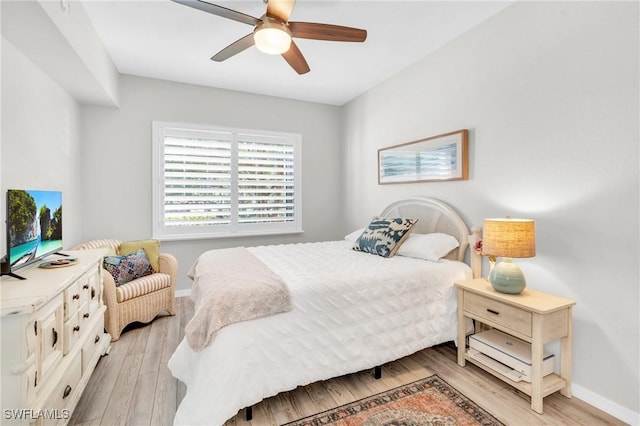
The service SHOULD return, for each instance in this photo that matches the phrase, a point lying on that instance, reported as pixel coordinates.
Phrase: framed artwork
(437, 158)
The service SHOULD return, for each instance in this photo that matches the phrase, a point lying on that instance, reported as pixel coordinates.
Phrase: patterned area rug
(430, 401)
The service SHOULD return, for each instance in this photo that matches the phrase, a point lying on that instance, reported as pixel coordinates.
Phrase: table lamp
(508, 238)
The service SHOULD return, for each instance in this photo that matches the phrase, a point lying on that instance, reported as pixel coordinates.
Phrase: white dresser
(52, 338)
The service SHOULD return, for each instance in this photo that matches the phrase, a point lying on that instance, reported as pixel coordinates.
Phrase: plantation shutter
(197, 181)
(266, 182)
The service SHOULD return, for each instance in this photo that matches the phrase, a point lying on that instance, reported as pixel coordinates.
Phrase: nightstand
(532, 316)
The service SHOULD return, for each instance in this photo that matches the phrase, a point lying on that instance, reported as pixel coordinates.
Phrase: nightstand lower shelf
(550, 383)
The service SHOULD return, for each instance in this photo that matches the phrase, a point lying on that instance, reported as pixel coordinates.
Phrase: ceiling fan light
(273, 41)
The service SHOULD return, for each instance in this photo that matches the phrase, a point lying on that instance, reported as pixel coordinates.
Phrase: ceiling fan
(273, 31)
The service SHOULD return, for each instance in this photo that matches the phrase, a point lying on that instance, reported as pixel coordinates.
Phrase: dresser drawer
(72, 299)
(495, 312)
(94, 292)
(72, 330)
(95, 340)
(84, 286)
(65, 392)
(48, 335)
(85, 317)
(50, 330)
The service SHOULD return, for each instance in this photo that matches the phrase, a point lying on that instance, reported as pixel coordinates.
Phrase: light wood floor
(133, 386)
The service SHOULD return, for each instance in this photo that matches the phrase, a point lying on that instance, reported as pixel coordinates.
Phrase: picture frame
(443, 157)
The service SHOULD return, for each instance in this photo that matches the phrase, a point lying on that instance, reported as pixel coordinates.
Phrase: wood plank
(283, 408)
(139, 338)
(184, 314)
(142, 400)
(166, 392)
(117, 409)
(339, 391)
(95, 397)
(320, 397)
(303, 404)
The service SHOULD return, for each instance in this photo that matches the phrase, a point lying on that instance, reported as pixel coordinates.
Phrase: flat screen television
(34, 226)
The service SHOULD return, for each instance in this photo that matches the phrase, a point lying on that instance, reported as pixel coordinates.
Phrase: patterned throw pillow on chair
(128, 267)
(384, 235)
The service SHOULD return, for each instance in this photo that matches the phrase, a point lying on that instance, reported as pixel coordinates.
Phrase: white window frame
(162, 129)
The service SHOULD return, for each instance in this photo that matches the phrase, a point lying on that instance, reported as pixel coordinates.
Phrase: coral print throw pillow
(384, 235)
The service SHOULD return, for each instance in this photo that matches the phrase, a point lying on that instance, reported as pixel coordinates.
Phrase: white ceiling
(165, 40)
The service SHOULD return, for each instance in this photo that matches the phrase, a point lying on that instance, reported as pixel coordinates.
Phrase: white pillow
(353, 237)
(432, 247)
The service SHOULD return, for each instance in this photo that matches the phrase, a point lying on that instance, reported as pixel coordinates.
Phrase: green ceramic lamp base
(506, 277)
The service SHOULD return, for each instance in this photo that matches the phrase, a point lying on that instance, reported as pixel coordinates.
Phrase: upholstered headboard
(433, 216)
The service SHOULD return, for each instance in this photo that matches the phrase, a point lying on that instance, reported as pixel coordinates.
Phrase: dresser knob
(491, 311)
(76, 296)
(76, 328)
(67, 391)
(85, 316)
(85, 287)
(97, 339)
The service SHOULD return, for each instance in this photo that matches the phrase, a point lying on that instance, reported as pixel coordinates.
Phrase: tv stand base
(5, 269)
(11, 274)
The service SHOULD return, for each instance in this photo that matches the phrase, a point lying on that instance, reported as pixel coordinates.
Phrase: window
(218, 182)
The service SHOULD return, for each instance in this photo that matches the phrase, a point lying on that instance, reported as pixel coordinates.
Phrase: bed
(350, 311)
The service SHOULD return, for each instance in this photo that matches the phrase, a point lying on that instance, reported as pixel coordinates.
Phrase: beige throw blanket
(231, 285)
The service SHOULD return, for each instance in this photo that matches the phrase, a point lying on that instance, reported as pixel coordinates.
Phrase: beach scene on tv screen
(34, 225)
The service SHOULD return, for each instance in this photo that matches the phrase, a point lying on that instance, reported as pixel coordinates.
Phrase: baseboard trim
(183, 293)
(606, 405)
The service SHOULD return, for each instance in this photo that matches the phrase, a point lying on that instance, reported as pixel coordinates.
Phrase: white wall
(40, 140)
(65, 45)
(117, 159)
(549, 92)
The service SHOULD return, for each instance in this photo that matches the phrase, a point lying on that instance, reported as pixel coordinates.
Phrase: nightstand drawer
(498, 313)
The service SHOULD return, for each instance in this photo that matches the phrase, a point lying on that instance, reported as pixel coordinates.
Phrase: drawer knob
(85, 287)
(85, 316)
(76, 296)
(491, 311)
(93, 292)
(97, 339)
(67, 391)
(76, 328)
(54, 337)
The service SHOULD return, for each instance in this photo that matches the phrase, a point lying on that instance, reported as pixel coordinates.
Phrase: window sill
(211, 236)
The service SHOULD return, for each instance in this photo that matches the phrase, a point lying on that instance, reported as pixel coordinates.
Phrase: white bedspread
(351, 311)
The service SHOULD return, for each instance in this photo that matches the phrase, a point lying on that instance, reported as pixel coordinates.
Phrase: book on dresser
(53, 335)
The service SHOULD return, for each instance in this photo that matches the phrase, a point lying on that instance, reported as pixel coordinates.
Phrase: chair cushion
(142, 286)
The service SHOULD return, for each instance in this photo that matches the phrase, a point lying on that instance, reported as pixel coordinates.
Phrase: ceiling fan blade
(219, 11)
(280, 9)
(316, 31)
(295, 58)
(234, 48)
